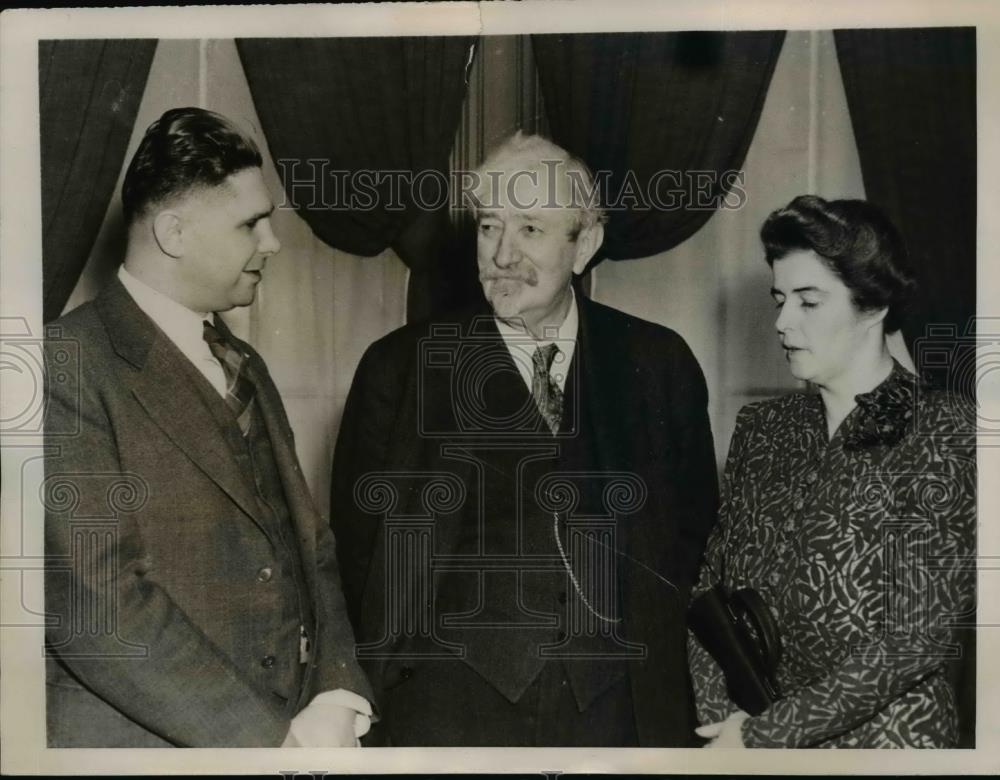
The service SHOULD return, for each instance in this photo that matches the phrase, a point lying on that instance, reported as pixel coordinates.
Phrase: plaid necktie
(544, 388)
(239, 389)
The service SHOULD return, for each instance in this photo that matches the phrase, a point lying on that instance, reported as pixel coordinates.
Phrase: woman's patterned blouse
(863, 547)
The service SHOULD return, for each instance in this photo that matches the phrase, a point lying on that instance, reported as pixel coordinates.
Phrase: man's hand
(725, 734)
(323, 725)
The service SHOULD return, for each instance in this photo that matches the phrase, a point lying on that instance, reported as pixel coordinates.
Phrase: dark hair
(856, 241)
(184, 149)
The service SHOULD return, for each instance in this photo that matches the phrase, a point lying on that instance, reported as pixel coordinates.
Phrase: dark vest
(523, 611)
(280, 626)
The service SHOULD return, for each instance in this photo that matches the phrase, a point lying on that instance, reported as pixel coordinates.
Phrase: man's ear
(587, 244)
(168, 232)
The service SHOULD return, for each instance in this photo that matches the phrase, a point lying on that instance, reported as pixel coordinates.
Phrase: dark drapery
(640, 103)
(367, 107)
(912, 98)
(89, 97)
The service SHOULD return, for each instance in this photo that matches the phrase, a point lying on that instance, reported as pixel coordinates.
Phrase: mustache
(529, 279)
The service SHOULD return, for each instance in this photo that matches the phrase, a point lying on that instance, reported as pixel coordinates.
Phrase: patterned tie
(544, 388)
(239, 389)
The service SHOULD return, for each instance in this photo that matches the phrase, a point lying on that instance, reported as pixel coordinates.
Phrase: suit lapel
(607, 384)
(505, 395)
(168, 388)
(599, 388)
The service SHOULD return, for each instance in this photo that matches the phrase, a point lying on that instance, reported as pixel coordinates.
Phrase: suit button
(562, 597)
(264, 574)
(811, 477)
(267, 661)
(405, 673)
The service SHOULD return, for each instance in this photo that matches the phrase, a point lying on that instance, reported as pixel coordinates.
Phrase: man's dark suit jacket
(162, 604)
(635, 405)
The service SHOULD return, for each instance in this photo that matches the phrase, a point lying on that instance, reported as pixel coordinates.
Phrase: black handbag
(740, 633)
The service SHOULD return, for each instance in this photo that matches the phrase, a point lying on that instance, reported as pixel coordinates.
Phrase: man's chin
(505, 305)
(242, 297)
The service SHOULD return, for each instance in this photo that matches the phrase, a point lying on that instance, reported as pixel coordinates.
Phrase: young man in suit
(521, 494)
(192, 587)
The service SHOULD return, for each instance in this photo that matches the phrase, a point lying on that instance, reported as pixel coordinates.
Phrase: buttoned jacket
(161, 584)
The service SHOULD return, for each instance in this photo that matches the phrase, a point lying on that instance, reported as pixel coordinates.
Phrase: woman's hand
(724, 734)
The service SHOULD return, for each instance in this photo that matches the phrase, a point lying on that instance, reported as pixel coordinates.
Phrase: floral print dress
(863, 548)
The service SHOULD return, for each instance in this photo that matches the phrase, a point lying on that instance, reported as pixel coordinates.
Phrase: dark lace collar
(883, 415)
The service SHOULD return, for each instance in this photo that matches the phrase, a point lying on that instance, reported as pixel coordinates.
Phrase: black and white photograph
(551, 375)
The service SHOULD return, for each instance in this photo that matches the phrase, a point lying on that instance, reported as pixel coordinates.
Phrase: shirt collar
(522, 345)
(564, 335)
(181, 325)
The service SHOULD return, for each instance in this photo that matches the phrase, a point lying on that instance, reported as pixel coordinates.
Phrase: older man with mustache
(521, 493)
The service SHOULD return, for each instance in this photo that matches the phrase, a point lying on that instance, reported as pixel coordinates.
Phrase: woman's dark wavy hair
(184, 149)
(856, 241)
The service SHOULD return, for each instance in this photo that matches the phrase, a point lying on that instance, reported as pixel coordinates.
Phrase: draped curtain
(89, 96)
(339, 113)
(912, 99)
(638, 104)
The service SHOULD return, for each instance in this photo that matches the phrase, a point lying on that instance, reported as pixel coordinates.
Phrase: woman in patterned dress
(851, 510)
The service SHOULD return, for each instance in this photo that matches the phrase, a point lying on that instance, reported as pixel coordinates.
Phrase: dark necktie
(239, 389)
(544, 388)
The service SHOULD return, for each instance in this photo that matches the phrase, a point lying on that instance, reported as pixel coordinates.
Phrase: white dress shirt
(522, 345)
